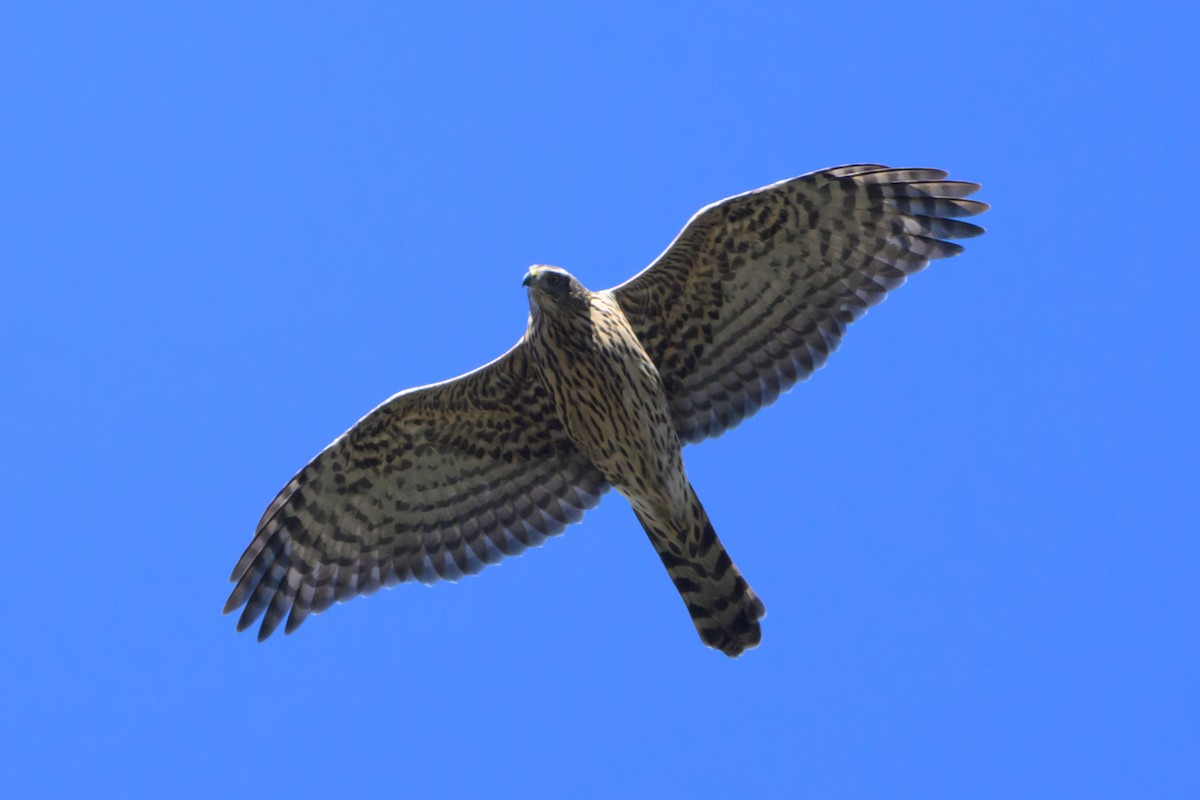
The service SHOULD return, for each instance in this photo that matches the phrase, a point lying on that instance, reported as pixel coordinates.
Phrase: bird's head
(554, 290)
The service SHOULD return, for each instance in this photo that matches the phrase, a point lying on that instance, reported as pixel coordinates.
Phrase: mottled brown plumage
(750, 298)
(608, 394)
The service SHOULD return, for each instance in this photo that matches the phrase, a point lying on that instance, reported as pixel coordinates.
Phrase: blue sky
(231, 229)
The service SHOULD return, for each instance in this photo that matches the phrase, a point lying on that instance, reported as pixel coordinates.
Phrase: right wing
(437, 482)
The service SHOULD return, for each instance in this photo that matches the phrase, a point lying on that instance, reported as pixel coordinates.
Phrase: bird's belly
(615, 411)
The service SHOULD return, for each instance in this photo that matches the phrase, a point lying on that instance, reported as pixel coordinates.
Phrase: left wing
(757, 290)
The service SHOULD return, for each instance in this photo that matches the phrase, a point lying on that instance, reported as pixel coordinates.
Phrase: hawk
(601, 392)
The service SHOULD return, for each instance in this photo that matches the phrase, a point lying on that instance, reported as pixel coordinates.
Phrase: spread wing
(757, 290)
(435, 483)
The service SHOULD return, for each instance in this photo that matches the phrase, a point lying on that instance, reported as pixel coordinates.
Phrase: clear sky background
(228, 230)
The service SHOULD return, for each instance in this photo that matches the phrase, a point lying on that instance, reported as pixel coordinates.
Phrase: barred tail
(724, 609)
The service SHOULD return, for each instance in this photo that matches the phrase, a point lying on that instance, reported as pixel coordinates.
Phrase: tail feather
(724, 609)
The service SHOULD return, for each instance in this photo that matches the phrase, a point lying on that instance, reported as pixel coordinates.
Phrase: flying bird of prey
(602, 391)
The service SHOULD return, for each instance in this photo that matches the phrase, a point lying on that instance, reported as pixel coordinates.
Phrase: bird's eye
(556, 280)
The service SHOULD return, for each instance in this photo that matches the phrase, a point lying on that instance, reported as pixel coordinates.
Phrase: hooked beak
(530, 276)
